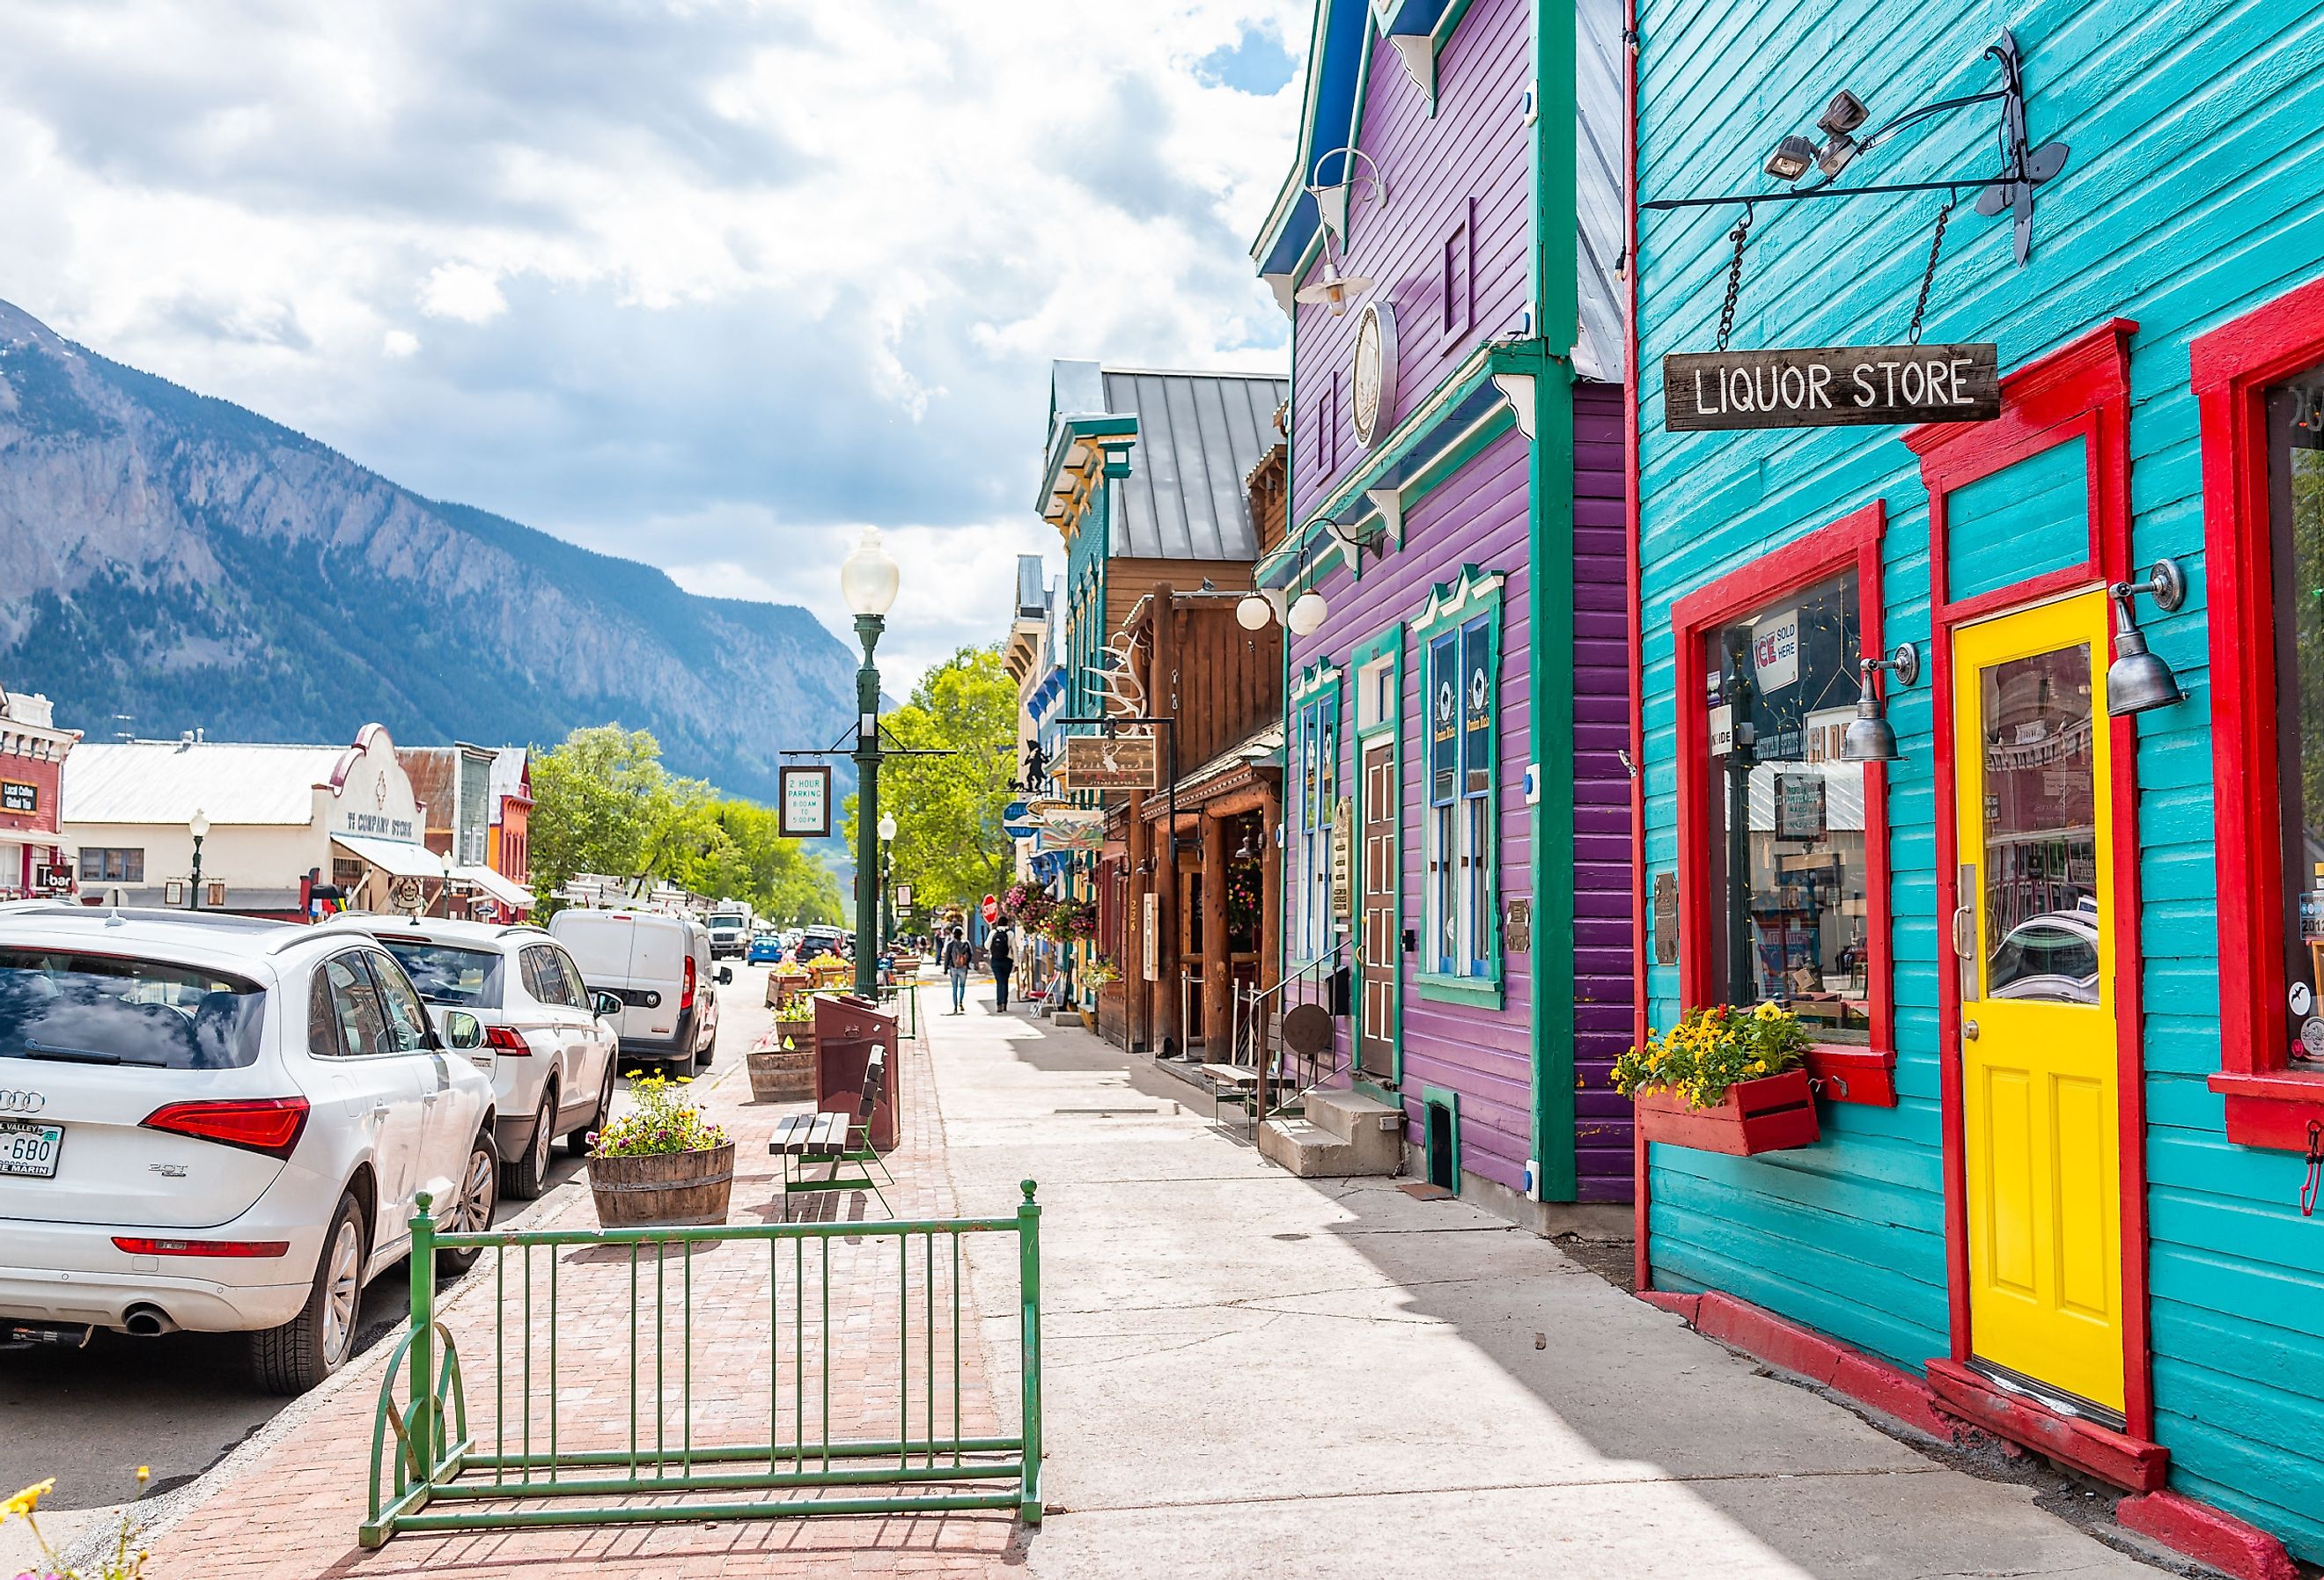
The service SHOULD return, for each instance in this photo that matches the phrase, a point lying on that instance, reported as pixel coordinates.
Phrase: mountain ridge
(180, 559)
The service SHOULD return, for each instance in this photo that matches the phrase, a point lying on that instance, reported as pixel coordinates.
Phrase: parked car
(220, 1125)
(659, 966)
(550, 1044)
(766, 950)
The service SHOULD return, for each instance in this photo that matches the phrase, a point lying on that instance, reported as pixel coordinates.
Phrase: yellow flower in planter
(29, 1500)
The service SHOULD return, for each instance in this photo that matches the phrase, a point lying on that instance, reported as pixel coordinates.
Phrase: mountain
(188, 563)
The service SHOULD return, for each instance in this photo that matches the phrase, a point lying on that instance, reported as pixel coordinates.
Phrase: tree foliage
(949, 846)
(602, 802)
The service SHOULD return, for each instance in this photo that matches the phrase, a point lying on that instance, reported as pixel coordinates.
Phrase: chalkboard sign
(1830, 386)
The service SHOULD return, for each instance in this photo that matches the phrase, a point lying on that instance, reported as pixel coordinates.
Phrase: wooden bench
(1238, 1081)
(837, 1139)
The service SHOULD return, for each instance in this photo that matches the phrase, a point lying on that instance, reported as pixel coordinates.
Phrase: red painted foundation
(2181, 1524)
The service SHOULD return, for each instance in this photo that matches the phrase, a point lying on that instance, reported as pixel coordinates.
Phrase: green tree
(603, 802)
(949, 846)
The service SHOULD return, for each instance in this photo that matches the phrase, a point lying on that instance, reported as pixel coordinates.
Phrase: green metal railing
(562, 1438)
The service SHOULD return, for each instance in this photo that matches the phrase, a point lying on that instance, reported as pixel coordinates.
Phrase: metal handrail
(1262, 1109)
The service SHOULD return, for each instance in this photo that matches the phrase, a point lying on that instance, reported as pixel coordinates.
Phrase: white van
(659, 966)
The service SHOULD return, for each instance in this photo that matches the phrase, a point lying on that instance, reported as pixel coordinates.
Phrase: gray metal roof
(1032, 591)
(1199, 435)
(167, 781)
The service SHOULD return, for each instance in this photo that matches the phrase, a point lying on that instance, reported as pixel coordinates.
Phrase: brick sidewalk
(294, 1512)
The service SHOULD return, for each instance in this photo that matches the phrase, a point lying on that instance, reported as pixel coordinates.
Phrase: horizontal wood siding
(2023, 521)
(1601, 792)
(1472, 154)
(2193, 194)
(1478, 516)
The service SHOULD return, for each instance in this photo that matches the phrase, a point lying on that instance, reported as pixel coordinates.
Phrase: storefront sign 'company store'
(1839, 386)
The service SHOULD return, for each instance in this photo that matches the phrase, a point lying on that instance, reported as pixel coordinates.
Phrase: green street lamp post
(867, 581)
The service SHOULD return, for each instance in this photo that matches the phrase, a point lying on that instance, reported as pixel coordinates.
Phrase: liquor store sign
(1832, 386)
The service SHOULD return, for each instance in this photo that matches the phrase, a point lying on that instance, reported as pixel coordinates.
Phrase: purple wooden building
(1457, 818)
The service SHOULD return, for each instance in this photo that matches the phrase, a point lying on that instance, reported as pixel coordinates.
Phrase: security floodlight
(1843, 115)
(1791, 158)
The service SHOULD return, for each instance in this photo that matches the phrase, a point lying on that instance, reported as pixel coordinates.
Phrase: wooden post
(1162, 664)
(1218, 960)
(1137, 1004)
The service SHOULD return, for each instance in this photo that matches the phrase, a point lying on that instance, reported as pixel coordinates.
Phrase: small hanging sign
(1830, 386)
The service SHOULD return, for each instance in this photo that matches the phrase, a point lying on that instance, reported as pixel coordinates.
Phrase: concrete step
(1353, 1116)
(1307, 1150)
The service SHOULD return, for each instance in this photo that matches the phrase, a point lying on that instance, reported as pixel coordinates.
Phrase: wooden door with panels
(2035, 940)
(1378, 937)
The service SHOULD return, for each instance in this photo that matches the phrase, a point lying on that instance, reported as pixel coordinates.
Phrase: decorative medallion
(1372, 388)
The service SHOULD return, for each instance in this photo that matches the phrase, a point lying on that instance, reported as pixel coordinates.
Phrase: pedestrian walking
(1002, 947)
(955, 958)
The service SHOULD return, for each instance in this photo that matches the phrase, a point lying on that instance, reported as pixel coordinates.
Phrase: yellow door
(2034, 943)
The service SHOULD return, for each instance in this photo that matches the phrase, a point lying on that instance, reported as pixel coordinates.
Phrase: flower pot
(1770, 1114)
(779, 1074)
(673, 1190)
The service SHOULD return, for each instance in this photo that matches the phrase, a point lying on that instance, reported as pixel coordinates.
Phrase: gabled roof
(1177, 445)
(1199, 435)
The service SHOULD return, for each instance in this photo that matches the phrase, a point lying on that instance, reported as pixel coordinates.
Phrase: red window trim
(1851, 1073)
(2268, 1103)
(2083, 389)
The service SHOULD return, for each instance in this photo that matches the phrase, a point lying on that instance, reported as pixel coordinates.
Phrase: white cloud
(727, 278)
(462, 291)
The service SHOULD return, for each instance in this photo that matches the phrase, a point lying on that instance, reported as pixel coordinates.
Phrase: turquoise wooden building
(2061, 955)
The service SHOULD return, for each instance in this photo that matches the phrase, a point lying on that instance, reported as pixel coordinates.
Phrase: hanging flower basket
(1724, 1080)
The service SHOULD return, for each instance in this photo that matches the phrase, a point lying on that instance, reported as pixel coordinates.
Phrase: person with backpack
(954, 959)
(1001, 946)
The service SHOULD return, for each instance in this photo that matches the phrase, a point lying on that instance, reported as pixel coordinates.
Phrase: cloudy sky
(700, 282)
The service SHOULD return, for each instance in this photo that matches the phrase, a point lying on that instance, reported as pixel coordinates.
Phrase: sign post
(803, 802)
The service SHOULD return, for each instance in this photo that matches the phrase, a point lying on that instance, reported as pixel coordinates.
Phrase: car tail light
(139, 1247)
(686, 1001)
(505, 1040)
(270, 1125)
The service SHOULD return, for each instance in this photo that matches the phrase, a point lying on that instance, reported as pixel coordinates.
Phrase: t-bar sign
(1830, 386)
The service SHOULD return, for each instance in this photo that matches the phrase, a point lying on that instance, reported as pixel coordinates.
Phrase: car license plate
(30, 1149)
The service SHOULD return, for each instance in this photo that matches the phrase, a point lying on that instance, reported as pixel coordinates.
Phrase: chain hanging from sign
(1929, 274)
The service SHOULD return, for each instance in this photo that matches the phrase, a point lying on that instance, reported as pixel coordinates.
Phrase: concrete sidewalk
(1245, 1372)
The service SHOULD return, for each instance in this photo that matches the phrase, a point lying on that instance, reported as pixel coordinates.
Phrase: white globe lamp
(1307, 614)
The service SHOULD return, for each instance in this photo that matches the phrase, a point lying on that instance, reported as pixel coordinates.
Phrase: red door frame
(2080, 390)
(2268, 1105)
(1849, 545)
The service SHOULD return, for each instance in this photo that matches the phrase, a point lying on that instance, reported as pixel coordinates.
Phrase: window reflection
(1788, 919)
(2040, 873)
(2295, 430)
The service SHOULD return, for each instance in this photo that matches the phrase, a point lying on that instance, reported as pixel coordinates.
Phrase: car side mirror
(725, 975)
(604, 1003)
(462, 1031)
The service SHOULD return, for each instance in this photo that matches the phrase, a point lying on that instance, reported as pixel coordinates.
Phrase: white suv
(550, 1043)
(221, 1125)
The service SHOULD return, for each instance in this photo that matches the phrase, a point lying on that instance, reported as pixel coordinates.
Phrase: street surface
(1245, 1372)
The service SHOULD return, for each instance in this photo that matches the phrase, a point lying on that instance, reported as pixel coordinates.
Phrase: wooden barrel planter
(1770, 1115)
(779, 1074)
(672, 1191)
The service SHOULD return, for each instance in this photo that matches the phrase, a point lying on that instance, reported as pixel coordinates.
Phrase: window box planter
(1770, 1115)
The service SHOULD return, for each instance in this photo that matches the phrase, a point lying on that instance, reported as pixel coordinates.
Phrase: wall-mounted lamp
(1870, 737)
(1302, 617)
(2138, 680)
(1796, 153)
(1792, 158)
(1332, 288)
(1332, 197)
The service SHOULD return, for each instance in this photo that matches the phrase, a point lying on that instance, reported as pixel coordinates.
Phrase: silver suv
(549, 1045)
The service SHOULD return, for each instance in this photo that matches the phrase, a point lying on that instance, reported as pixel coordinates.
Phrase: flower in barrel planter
(660, 1163)
(1724, 1080)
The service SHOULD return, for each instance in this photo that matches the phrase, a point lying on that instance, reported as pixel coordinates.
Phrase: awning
(392, 857)
(505, 890)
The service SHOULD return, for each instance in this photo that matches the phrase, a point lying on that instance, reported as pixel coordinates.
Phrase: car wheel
(526, 1177)
(577, 1142)
(480, 1194)
(304, 1351)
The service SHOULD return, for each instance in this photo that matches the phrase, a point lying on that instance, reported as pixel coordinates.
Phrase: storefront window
(1788, 914)
(2295, 452)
